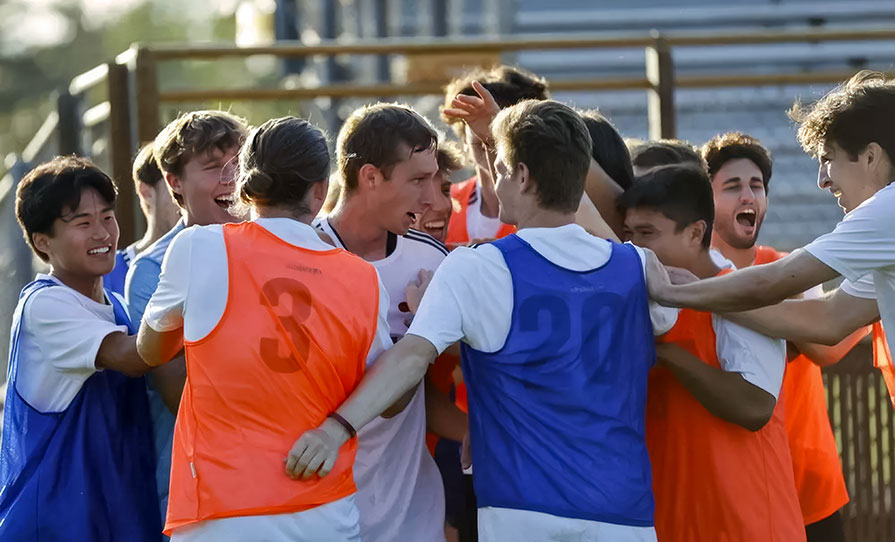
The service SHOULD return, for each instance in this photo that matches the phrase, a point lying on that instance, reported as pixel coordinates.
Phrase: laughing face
(848, 180)
(434, 220)
(207, 187)
(82, 242)
(740, 202)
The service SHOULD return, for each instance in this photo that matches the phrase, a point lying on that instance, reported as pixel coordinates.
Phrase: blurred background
(99, 77)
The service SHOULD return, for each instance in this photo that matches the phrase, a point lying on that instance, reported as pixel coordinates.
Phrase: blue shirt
(84, 473)
(115, 279)
(557, 415)
(142, 280)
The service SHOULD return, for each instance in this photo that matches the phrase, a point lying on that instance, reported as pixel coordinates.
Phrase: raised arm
(826, 320)
(745, 289)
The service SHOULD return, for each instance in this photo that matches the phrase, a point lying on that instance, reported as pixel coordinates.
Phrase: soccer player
(443, 375)
(717, 443)
(76, 458)
(649, 155)
(387, 160)
(158, 208)
(196, 154)
(476, 215)
(739, 167)
(558, 339)
(849, 130)
(277, 327)
(609, 149)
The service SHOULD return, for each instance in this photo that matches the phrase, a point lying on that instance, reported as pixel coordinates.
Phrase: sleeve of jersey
(663, 318)
(164, 312)
(760, 359)
(863, 288)
(862, 242)
(383, 339)
(69, 335)
(439, 318)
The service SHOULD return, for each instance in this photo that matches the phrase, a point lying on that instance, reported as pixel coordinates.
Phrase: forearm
(729, 293)
(487, 174)
(824, 355)
(157, 348)
(442, 416)
(603, 194)
(392, 375)
(822, 321)
(118, 352)
(726, 395)
(168, 380)
(589, 218)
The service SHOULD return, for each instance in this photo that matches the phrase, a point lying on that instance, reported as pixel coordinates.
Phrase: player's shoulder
(51, 301)
(423, 242)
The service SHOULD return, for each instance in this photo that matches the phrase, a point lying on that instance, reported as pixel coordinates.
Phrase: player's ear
(696, 231)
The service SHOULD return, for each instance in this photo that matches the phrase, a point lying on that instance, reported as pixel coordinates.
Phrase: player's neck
(703, 266)
(154, 230)
(357, 230)
(541, 218)
(741, 257)
(88, 286)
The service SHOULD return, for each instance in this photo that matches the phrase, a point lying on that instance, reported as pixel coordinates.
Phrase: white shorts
(338, 521)
(509, 525)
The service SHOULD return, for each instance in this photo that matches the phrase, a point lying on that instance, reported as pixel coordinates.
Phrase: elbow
(758, 415)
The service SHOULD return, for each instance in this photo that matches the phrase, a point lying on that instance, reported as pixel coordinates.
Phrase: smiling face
(647, 227)
(850, 181)
(206, 186)
(435, 219)
(740, 202)
(81, 244)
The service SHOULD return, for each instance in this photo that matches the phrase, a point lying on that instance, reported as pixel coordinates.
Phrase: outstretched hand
(476, 111)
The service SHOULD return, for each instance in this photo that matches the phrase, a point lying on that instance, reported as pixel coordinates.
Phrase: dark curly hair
(726, 147)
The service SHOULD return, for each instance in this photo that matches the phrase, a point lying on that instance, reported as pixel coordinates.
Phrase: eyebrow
(84, 215)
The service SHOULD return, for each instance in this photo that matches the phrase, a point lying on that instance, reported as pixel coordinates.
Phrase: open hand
(476, 111)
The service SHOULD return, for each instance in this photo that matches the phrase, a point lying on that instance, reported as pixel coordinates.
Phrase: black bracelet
(352, 432)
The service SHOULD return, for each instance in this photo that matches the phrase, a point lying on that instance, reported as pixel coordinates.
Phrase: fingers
(473, 102)
(455, 112)
(327, 466)
(313, 465)
(483, 93)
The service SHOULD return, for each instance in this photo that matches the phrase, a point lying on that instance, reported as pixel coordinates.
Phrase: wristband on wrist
(352, 432)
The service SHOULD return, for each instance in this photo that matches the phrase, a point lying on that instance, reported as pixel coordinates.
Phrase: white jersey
(399, 489)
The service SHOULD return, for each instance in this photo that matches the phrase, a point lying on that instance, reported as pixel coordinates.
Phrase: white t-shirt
(60, 336)
(863, 244)
(479, 226)
(761, 360)
(192, 293)
(399, 488)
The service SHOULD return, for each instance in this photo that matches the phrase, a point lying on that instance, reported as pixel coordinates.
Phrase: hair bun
(257, 183)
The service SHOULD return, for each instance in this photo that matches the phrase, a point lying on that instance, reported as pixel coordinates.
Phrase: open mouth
(224, 202)
(99, 250)
(746, 217)
(434, 224)
(837, 194)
